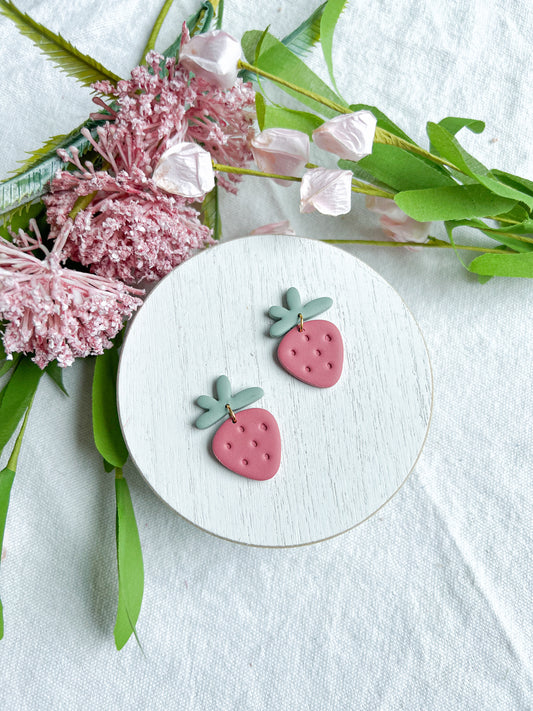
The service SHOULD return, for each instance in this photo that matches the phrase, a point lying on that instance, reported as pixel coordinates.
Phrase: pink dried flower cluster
(54, 312)
(133, 230)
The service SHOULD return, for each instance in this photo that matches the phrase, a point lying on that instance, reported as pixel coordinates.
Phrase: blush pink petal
(185, 169)
(395, 223)
(213, 56)
(281, 151)
(326, 190)
(349, 136)
(275, 228)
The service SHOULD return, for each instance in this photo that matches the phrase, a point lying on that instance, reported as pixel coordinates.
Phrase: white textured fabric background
(425, 606)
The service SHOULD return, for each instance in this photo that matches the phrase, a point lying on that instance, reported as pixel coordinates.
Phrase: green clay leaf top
(216, 407)
(287, 318)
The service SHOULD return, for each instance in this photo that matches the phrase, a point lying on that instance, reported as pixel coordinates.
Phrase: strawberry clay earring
(249, 443)
(313, 352)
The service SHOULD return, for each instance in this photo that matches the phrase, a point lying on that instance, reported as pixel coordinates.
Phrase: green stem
(118, 473)
(13, 459)
(359, 188)
(381, 135)
(433, 243)
(300, 90)
(155, 29)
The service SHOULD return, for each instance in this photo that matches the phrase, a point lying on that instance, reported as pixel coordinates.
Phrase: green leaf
(453, 124)
(260, 108)
(210, 212)
(16, 397)
(31, 182)
(63, 54)
(106, 426)
(7, 476)
(448, 147)
(402, 170)
(301, 40)
(508, 265)
(451, 203)
(220, 15)
(514, 181)
(330, 16)
(278, 60)
(129, 563)
(515, 244)
(6, 482)
(56, 374)
(274, 117)
(517, 214)
(8, 364)
(19, 218)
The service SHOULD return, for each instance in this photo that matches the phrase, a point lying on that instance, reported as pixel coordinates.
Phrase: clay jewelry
(248, 444)
(313, 353)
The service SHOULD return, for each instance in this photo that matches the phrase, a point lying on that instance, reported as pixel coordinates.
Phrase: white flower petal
(185, 169)
(327, 191)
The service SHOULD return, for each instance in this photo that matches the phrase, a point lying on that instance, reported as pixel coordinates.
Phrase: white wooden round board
(345, 450)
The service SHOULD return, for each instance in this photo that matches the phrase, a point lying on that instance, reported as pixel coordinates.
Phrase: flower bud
(349, 136)
(185, 169)
(213, 56)
(282, 151)
(395, 223)
(327, 191)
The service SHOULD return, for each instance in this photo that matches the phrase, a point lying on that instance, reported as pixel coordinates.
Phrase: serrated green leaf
(279, 117)
(106, 426)
(56, 374)
(210, 212)
(32, 183)
(278, 60)
(329, 20)
(402, 170)
(451, 203)
(508, 265)
(61, 52)
(301, 40)
(16, 397)
(130, 565)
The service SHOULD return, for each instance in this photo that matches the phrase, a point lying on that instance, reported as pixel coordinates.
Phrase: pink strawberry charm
(313, 352)
(248, 443)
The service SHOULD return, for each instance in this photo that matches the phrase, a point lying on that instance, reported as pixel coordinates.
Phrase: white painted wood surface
(346, 450)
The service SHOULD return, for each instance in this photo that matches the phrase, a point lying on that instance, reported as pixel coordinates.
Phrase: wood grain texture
(345, 450)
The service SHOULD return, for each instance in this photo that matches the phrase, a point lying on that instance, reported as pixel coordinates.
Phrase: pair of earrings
(250, 445)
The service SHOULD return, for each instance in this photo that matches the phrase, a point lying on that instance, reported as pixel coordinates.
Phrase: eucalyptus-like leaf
(61, 52)
(17, 396)
(106, 426)
(129, 563)
(329, 20)
(451, 203)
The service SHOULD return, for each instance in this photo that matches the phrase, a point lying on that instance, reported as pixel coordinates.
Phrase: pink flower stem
(358, 188)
